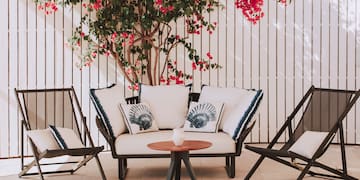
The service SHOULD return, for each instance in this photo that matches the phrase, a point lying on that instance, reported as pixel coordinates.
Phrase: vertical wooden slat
(351, 66)
(298, 53)
(280, 66)
(263, 58)
(238, 31)
(357, 69)
(13, 75)
(230, 63)
(272, 60)
(289, 53)
(4, 38)
(255, 72)
(222, 46)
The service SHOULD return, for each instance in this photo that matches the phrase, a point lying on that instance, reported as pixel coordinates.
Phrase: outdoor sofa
(170, 100)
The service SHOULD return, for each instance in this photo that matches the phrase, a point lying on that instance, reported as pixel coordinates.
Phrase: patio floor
(205, 168)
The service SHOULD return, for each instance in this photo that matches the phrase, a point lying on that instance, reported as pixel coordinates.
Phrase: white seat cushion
(168, 104)
(127, 144)
(106, 101)
(43, 139)
(308, 143)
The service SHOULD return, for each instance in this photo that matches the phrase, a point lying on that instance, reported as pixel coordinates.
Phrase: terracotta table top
(186, 146)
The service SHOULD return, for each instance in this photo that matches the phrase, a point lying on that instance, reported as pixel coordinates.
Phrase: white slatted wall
(307, 42)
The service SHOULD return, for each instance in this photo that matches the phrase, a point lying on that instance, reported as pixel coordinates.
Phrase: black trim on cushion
(249, 113)
(58, 137)
(100, 110)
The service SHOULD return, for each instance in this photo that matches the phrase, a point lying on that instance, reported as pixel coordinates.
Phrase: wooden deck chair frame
(87, 152)
(281, 155)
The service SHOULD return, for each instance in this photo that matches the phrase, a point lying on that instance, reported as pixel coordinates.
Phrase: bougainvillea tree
(136, 33)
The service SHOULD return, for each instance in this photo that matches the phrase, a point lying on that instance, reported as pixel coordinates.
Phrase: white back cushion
(43, 139)
(239, 106)
(106, 102)
(230, 96)
(168, 104)
(308, 143)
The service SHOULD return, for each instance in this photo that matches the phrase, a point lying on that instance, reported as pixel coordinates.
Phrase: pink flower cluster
(202, 65)
(134, 87)
(93, 6)
(163, 9)
(194, 25)
(252, 9)
(48, 7)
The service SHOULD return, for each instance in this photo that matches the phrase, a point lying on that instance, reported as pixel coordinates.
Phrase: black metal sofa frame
(122, 159)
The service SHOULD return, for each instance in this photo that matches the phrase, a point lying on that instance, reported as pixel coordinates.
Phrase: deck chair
(59, 108)
(322, 115)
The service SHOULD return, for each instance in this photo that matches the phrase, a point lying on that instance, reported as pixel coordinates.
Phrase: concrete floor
(205, 168)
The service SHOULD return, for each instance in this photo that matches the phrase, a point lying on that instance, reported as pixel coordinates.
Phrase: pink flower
(97, 4)
(107, 53)
(193, 65)
(177, 37)
(93, 54)
(170, 8)
(136, 87)
(40, 7)
(131, 39)
(179, 81)
(163, 10)
(158, 2)
(113, 36)
(82, 34)
(209, 55)
(129, 71)
(124, 35)
(162, 79)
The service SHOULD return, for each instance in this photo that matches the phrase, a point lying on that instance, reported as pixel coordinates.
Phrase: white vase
(178, 136)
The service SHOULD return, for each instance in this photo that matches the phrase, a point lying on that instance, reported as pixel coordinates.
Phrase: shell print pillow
(203, 117)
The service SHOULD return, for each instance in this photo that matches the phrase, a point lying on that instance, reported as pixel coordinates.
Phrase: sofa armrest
(104, 132)
(243, 136)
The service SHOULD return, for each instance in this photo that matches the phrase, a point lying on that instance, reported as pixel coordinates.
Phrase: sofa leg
(230, 166)
(122, 168)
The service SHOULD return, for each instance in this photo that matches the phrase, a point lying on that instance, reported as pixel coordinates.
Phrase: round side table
(179, 153)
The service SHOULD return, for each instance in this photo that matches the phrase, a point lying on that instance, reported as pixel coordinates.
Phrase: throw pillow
(168, 104)
(308, 143)
(105, 101)
(240, 106)
(203, 117)
(66, 138)
(138, 118)
(43, 139)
